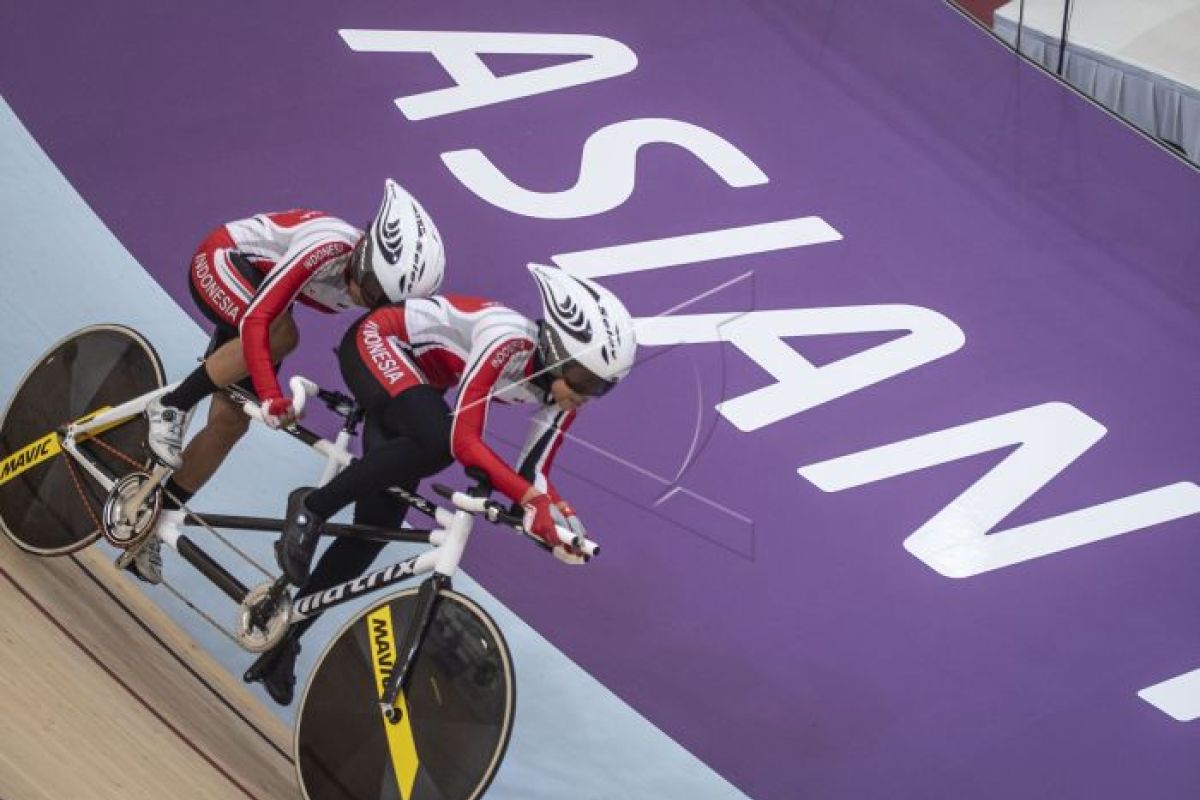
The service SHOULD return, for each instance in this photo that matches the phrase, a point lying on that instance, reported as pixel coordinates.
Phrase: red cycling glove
(539, 520)
(278, 411)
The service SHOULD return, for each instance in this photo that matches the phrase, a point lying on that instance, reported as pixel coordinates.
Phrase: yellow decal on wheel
(46, 447)
(29, 456)
(400, 740)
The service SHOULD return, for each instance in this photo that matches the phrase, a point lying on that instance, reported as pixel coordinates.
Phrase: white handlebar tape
(472, 505)
(302, 389)
(478, 505)
(569, 558)
(585, 546)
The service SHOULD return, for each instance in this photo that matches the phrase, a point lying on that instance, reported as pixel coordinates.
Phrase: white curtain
(1162, 107)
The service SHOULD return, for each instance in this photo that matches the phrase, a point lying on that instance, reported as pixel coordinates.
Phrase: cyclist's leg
(227, 364)
(410, 419)
(224, 362)
(346, 558)
(418, 449)
(208, 448)
(415, 424)
(226, 423)
(222, 284)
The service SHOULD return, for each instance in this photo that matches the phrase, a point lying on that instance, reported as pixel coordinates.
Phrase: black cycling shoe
(262, 665)
(301, 530)
(276, 669)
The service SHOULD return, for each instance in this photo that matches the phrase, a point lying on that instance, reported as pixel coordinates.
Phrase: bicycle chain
(213, 531)
(82, 494)
(199, 611)
(72, 470)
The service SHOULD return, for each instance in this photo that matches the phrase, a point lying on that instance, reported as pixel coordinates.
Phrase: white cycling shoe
(165, 435)
(146, 562)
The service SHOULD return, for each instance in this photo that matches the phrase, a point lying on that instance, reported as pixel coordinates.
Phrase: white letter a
(476, 85)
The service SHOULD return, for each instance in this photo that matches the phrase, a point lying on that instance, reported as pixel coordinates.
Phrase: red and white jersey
(489, 352)
(304, 255)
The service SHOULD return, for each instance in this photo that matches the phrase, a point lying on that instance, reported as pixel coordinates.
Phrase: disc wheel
(457, 712)
(49, 505)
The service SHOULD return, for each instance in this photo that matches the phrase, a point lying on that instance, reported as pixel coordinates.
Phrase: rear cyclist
(398, 361)
(245, 277)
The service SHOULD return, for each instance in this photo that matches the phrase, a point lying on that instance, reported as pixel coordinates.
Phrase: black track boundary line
(128, 689)
(182, 662)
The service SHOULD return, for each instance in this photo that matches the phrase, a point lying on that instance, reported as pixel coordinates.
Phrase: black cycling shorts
(376, 364)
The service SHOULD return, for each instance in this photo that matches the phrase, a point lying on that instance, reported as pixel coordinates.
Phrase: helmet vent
(387, 230)
(567, 315)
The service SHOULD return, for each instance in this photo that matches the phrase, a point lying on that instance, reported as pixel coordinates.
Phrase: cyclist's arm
(306, 256)
(485, 366)
(546, 434)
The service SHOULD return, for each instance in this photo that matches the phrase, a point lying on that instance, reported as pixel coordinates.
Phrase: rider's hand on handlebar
(278, 412)
(567, 518)
(539, 520)
(543, 519)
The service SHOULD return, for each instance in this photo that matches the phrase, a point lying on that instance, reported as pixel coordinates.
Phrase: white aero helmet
(587, 333)
(401, 254)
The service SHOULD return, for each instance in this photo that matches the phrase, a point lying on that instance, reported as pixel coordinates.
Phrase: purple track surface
(806, 654)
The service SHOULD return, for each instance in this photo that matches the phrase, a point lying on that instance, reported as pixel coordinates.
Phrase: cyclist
(398, 361)
(245, 277)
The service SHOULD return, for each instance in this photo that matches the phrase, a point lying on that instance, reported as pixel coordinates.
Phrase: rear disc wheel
(49, 505)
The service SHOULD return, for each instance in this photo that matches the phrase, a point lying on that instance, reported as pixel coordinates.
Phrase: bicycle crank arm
(131, 506)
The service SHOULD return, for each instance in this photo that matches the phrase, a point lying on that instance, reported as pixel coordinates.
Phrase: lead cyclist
(245, 278)
(398, 361)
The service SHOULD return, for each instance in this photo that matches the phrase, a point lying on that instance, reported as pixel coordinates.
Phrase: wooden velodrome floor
(102, 696)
